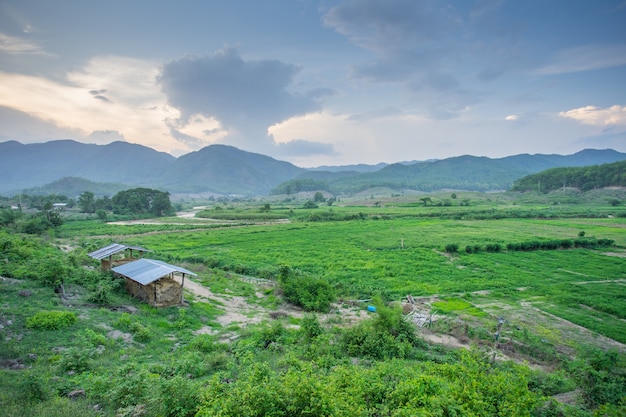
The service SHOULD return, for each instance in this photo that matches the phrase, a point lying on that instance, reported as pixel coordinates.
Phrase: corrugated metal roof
(146, 271)
(112, 249)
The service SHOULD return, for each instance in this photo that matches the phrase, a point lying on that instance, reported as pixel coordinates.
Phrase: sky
(326, 82)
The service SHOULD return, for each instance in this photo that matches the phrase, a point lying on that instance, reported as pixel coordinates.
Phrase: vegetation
(507, 277)
(583, 178)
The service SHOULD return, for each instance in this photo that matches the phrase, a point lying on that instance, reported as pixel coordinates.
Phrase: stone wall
(165, 291)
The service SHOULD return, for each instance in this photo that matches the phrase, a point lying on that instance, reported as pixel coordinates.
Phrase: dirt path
(236, 309)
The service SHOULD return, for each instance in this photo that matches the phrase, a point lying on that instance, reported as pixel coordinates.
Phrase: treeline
(532, 245)
(136, 201)
(583, 178)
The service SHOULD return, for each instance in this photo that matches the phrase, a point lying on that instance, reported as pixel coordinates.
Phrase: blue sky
(318, 82)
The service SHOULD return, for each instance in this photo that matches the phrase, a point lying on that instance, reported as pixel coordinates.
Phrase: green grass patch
(457, 306)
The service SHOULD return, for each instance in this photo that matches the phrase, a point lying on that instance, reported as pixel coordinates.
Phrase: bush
(51, 320)
(310, 293)
(493, 247)
(76, 359)
(452, 248)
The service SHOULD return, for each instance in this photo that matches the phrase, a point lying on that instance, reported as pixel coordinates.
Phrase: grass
(457, 306)
(389, 251)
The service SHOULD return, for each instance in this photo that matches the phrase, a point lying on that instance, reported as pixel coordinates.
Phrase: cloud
(595, 116)
(302, 147)
(136, 108)
(511, 117)
(98, 94)
(105, 136)
(585, 58)
(246, 97)
(421, 47)
(19, 46)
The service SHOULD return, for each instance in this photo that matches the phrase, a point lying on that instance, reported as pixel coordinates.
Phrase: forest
(465, 304)
(581, 178)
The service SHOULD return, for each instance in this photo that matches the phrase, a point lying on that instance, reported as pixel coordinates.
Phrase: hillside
(38, 164)
(227, 170)
(584, 178)
(460, 173)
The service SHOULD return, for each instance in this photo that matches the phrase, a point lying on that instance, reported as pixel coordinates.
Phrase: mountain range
(226, 170)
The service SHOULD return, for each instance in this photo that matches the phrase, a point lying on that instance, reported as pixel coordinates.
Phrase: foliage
(583, 178)
(310, 293)
(298, 185)
(142, 201)
(51, 320)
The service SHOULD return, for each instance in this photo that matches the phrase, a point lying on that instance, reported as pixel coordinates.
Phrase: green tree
(86, 202)
(319, 197)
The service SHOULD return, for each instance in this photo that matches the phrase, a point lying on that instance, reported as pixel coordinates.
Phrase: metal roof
(146, 271)
(112, 249)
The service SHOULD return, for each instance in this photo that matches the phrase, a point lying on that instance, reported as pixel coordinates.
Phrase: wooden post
(182, 284)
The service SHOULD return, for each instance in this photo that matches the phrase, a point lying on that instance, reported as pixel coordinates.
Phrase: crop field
(514, 302)
(398, 251)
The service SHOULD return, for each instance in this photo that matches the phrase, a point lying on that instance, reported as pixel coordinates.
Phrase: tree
(142, 201)
(426, 200)
(86, 202)
(319, 197)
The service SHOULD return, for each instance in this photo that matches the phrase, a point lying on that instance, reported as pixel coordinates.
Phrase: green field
(561, 309)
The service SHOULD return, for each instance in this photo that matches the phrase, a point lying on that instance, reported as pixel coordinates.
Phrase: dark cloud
(245, 96)
(191, 141)
(376, 114)
(303, 147)
(98, 94)
(427, 47)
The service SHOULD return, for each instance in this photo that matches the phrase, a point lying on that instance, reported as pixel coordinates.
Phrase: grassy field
(399, 250)
(132, 359)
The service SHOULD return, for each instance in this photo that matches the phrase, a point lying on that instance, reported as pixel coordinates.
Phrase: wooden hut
(116, 254)
(153, 281)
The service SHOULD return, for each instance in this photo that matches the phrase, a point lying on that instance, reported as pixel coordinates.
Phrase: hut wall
(167, 292)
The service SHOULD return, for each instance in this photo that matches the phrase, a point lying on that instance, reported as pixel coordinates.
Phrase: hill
(73, 187)
(460, 173)
(584, 178)
(226, 170)
(38, 164)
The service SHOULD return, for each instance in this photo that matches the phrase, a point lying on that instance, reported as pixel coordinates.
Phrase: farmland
(551, 275)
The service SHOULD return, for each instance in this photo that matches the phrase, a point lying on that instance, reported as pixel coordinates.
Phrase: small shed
(116, 254)
(153, 281)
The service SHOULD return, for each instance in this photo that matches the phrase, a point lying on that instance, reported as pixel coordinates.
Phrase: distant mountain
(218, 168)
(227, 170)
(37, 164)
(73, 187)
(459, 173)
(350, 168)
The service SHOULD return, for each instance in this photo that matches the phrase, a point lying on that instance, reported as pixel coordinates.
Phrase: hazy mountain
(73, 187)
(38, 164)
(461, 173)
(227, 170)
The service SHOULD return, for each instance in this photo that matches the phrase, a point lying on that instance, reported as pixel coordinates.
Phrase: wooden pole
(182, 284)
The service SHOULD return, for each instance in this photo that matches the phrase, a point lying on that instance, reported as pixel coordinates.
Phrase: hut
(116, 254)
(153, 281)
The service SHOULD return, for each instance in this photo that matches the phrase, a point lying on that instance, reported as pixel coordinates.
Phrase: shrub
(493, 247)
(76, 359)
(51, 320)
(311, 326)
(452, 248)
(310, 293)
